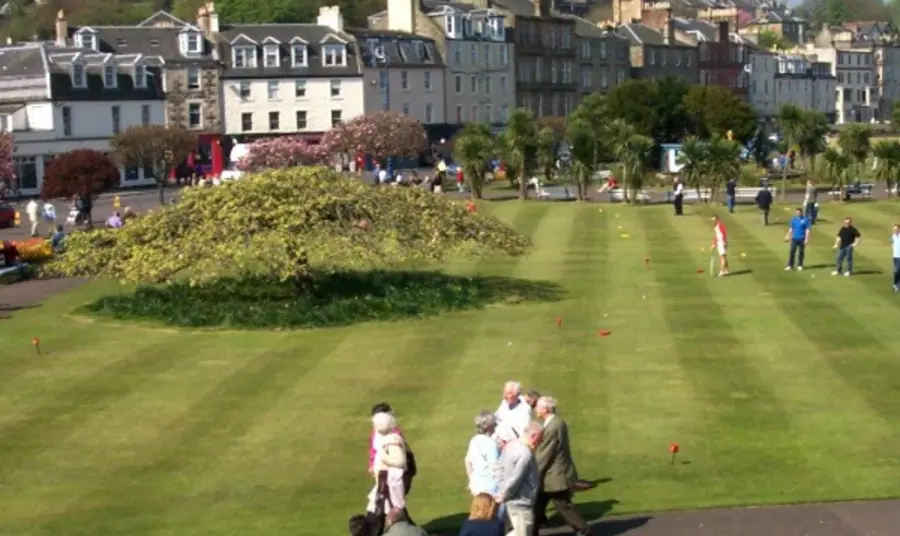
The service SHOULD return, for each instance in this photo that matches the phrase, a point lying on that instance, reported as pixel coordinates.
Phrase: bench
(691, 194)
(13, 269)
(617, 195)
(847, 192)
(553, 192)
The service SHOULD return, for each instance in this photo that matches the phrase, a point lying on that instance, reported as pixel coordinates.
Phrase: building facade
(54, 100)
(190, 74)
(854, 69)
(656, 54)
(781, 22)
(604, 61)
(720, 60)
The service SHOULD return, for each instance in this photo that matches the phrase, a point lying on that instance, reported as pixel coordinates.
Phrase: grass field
(779, 387)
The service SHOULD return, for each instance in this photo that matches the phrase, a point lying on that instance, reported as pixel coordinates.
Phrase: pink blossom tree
(380, 135)
(7, 170)
(279, 153)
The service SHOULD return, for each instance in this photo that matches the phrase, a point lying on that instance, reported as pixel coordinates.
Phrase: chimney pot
(61, 28)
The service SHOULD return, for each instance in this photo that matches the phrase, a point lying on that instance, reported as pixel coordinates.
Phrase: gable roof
(396, 49)
(162, 19)
(151, 40)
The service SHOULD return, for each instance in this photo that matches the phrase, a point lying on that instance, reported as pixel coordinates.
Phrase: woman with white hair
(388, 467)
(483, 455)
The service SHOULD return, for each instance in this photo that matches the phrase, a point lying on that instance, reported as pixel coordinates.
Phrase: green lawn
(779, 387)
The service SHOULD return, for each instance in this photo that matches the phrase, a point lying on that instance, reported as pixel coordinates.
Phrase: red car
(7, 215)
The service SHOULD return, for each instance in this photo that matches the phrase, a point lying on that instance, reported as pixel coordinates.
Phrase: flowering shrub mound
(34, 250)
(379, 135)
(279, 153)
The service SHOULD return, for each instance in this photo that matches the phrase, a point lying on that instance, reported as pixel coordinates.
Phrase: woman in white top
(483, 456)
(389, 464)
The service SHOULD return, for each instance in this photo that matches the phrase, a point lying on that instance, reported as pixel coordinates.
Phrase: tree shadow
(615, 527)
(868, 272)
(332, 300)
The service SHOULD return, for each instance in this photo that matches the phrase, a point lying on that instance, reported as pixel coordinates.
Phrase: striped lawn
(779, 387)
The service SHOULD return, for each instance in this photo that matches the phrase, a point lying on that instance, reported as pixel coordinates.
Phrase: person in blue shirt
(798, 236)
(895, 239)
(730, 192)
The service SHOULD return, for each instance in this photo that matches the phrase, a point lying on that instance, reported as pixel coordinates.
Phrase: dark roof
(396, 49)
(776, 17)
(23, 61)
(313, 36)
(584, 28)
(639, 34)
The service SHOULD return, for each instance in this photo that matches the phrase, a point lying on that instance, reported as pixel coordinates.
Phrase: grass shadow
(616, 527)
(334, 300)
(740, 272)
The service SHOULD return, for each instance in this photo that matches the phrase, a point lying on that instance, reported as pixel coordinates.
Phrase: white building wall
(316, 100)
(762, 83)
(421, 95)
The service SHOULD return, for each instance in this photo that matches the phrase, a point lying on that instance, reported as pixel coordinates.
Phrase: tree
(810, 135)
(158, 147)
(381, 135)
(717, 110)
(773, 41)
(895, 116)
(724, 162)
(556, 124)
(790, 120)
(7, 145)
(287, 225)
(836, 165)
(518, 147)
(81, 173)
(694, 162)
(547, 145)
(277, 153)
(887, 158)
(583, 142)
(855, 142)
(631, 150)
(473, 148)
(654, 108)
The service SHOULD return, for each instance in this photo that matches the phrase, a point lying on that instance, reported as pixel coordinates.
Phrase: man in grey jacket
(519, 479)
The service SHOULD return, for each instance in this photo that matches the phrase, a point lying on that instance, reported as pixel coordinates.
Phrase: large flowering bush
(379, 135)
(34, 249)
(280, 153)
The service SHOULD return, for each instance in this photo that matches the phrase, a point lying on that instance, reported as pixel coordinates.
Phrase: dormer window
(190, 43)
(298, 55)
(497, 30)
(140, 76)
(86, 40)
(79, 77)
(271, 56)
(454, 26)
(243, 57)
(109, 76)
(334, 55)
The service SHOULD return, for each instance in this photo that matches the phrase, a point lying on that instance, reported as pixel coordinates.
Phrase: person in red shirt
(459, 178)
(610, 185)
(720, 243)
(10, 252)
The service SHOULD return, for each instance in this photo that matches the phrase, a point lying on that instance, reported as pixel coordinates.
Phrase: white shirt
(382, 175)
(546, 422)
(482, 458)
(516, 418)
(679, 188)
(32, 210)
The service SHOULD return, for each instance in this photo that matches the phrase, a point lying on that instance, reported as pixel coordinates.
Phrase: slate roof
(436, 8)
(775, 17)
(702, 30)
(639, 34)
(313, 35)
(42, 59)
(396, 49)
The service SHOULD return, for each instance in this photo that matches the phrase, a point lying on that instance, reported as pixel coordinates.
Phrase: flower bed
(34, 250)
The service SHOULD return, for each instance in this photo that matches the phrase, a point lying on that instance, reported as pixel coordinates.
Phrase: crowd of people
(518, 462)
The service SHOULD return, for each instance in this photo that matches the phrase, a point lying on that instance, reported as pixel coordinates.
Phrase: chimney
(213, 18)
(537, 7)
(331, 17)
(62, 28)
(402, 15)
(723, 31)
(203, 19)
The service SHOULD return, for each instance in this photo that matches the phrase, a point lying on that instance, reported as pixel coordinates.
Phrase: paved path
(27, 294)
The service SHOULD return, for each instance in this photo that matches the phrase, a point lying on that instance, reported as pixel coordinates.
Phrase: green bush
(333, 300)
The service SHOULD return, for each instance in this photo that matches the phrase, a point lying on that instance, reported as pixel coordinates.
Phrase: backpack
(411, 469)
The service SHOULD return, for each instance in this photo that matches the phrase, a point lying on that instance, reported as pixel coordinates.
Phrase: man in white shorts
(720, 243)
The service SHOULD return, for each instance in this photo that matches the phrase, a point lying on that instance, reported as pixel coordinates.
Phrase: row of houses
(444, 63)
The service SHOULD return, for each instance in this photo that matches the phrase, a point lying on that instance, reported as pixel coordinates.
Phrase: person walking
(848, 238)
(519, 478)
(809, 203)
(731, 193)
(679, 197)
(32, 210)
(895, 240)
(798, 237)
(720, 244)
(764, 202)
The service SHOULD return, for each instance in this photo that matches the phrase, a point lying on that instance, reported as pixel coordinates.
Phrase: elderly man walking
(514, 412)
(556, 469)
(519, 481)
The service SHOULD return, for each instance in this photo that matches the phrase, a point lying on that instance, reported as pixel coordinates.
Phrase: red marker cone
(673, 448)
(559, 322)
(699, 270)
(604, 333)
(37, 345)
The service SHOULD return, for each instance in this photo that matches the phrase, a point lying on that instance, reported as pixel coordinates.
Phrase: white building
(856, 98)
(54, 100)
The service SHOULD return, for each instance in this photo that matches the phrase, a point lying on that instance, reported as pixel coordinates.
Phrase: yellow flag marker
(625, 236)
(743, 254)
(117, 202)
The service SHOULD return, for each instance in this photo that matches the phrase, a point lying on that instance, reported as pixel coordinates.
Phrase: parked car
(7, 215)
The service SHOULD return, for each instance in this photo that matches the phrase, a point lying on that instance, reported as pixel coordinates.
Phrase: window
(243, 57)
(457, 54)
(272, 89)
(335, 118)
(335, 89)
(298, 55)
(299, 89)
(504, 112)
(274, 120)
(567, 72)
(586, 49)
(334, 55)
(301, 119)
(450, 24)
(116, 119)
(246, 122)
(457, 84)
(487, 55)
(384, 80)
(405, 108)
(487, 84)
(429, 113)
(191, 43)
(428, 86)
(474, 83)
(504, 55)
(245, 90)
(67, 121)
(195, 118)
(404, 80)
(488, 113)
(140, 76)
(602, 50)
(473, 54)
(193, 78)
(459, 114)
(586, 79)
(604, 82)
(79, 78)
(271, 56)
(620, 76)
(567, 105)
(474, 116)
(503, 88)
(86, 40)
(26, 169)
(145, 114)
(566, 38)
(553, 71)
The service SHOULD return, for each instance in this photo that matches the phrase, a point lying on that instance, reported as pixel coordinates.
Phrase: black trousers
(562, 501)
(765, 215)
(679, 205)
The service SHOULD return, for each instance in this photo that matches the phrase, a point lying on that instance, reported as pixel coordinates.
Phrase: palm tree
(473, 149)
(855, 142)
(583, 143)
(618, 133)
(694, 161)
(811, 137)
(633, 155)
(887, 155)
(790, 119)
(724, 162)
(518, 146)
(836, 164)
(547, 142)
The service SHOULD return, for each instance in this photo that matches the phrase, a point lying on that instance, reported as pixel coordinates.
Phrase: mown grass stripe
(713, 359)
(224, 413)
(839, 337)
